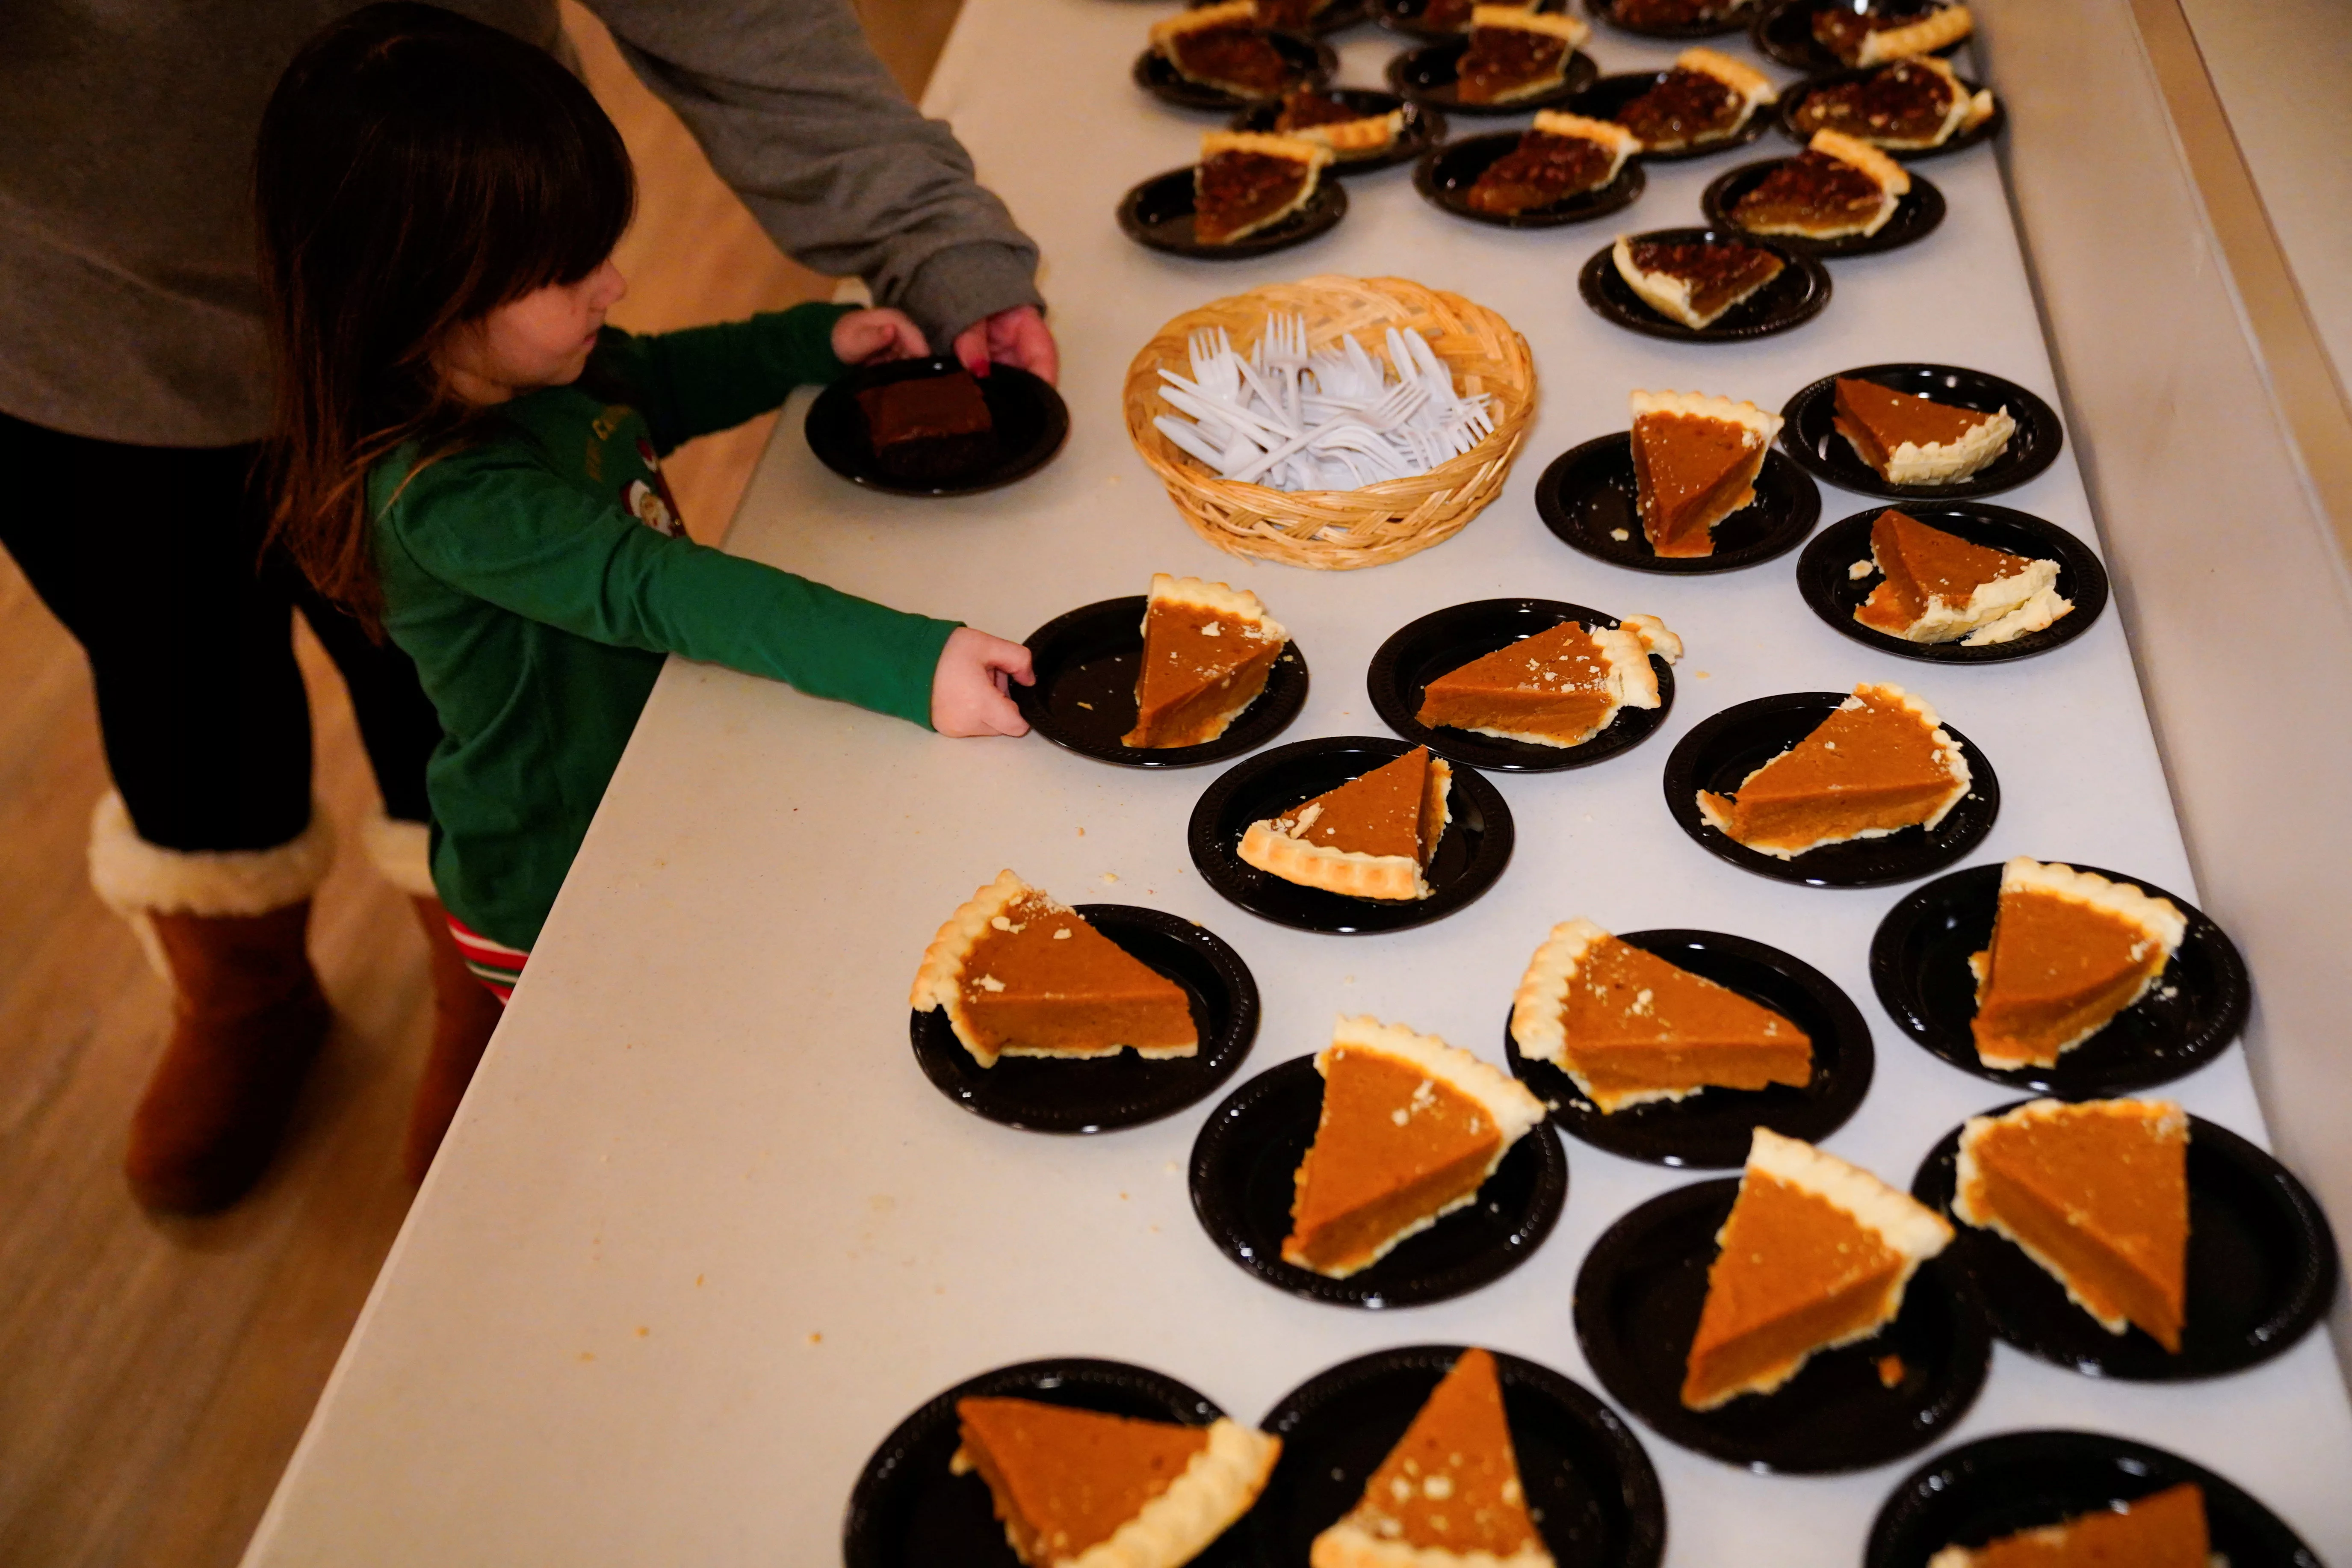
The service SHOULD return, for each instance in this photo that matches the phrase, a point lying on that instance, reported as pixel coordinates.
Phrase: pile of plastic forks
(1337, 420)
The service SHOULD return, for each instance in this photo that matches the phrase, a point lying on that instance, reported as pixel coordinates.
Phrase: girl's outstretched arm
(968, 688)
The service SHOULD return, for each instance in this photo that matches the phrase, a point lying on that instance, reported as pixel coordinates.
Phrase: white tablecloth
(704, 1232)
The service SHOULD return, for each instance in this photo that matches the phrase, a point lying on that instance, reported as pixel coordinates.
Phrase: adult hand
(1015, 337)
(969, 684)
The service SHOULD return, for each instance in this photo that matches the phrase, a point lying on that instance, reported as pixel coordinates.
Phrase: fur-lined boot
(464, 1011)
(227, 931)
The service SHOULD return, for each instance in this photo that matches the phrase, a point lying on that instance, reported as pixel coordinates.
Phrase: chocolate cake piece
(933, 429)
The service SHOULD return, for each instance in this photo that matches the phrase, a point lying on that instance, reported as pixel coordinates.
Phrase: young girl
(468, 459)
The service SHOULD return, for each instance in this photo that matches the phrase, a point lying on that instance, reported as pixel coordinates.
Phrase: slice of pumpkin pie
(1816, 1254)
(1024, 975)
(2097, 1193)
(1914, 440)
(1077, 1486)
(1410, 1127)
(1558, 688)
(1940, 588)
(1879, 764)
(1369, 838)
(2070, 950)
(2162, 1530)
(1207, 652)
(1448, 1495)
(1695, 458)
(1630, 1027)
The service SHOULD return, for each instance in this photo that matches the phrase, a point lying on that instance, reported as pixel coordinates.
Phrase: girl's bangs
(573, 201)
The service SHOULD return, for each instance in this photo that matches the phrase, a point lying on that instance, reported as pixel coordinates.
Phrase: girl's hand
(870, 337)
(968, 688)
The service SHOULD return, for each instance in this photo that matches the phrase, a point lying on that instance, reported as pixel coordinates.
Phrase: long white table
(704, 1233)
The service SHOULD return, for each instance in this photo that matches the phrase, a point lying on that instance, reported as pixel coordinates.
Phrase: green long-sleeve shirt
(539, 578)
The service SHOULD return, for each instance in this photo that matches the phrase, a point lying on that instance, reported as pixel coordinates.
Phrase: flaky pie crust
(1937, 30)
(1219, 1486)
(1955, 761)
(1967, 1181)
(1349, 872)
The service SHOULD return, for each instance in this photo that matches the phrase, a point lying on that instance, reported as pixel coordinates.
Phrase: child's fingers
(1013, 660)
(1004, 717)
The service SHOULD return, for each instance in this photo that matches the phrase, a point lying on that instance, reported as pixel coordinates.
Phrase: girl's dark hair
(415, 171)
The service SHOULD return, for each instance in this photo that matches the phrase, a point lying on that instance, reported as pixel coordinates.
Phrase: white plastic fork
(1383, 416)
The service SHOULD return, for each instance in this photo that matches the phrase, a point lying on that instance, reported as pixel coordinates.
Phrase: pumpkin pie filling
(1409, 1129)
(1515, 52)
(2070, 950)
(1816, 1254)
(1021, 975)
(1069, 1482)
(1695, 459)
(2096, 1194)
(1696, 284)
(1369, 838)
(1208, 650)
(1558, 688)
(1630, 1027)
(1914, 440)
(1940, 588)
(1910, 104)
(1880, 763)
(1448, 1493)
(2162, 1530)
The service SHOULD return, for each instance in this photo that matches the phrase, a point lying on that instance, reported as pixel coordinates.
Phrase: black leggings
(151, 556)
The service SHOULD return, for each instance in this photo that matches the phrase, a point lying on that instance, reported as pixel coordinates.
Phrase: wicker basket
(1338, 531)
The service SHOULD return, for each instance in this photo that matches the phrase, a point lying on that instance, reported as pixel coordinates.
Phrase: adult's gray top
(130, 309)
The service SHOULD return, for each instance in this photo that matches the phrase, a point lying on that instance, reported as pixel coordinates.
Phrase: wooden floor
(155, 1376)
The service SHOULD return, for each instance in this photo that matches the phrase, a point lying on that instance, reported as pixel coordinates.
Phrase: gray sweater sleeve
(798, 115)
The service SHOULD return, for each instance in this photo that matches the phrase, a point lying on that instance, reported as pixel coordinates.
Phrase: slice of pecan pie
(1246, 181)
(1694, 283)
(1909, 105)
(1706, 96)
(1872, 37)
(1836, 187)
(1563, 155)
(1223, 46)
(1516, 52)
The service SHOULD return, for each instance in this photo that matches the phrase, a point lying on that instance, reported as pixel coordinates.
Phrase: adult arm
(501, 528)
(798, 115)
